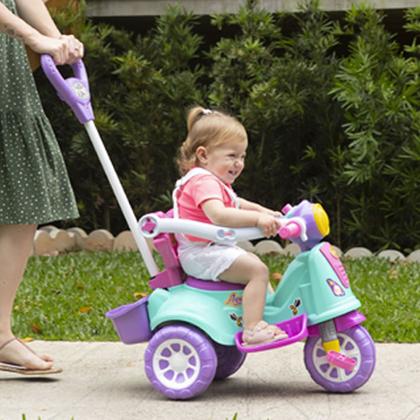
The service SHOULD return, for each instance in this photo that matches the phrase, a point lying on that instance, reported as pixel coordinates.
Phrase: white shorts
(207, 261)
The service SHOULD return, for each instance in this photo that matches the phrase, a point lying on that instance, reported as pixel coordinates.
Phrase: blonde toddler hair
(209, 129)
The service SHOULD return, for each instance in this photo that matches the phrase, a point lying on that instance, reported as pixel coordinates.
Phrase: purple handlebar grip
(291, 230)
(74, 90)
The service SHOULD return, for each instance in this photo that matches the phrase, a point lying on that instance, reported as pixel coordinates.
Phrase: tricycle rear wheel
(180, 361)
(229, 360)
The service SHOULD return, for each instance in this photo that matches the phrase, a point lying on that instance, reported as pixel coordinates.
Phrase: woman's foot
(15, 352)
(262, 333)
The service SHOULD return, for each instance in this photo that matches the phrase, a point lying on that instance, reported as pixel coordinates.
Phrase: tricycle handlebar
(151, 225)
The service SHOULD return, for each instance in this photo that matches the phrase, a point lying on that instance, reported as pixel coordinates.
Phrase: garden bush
(378, 88)
(331, 108)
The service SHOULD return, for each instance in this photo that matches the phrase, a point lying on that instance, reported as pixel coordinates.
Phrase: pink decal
(335, 263)
(335, 288)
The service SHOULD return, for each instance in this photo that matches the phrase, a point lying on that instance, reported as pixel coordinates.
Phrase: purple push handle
(74, 90)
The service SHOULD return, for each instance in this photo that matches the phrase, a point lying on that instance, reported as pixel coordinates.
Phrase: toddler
(211, 158)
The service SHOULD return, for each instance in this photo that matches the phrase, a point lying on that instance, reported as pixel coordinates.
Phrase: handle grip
(295, 227)
(291, 230)
(73, 90)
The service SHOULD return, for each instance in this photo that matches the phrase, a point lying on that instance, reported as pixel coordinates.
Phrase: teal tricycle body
(310, 286)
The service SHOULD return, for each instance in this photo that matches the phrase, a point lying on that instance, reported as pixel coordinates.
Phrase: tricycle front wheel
(355, 343)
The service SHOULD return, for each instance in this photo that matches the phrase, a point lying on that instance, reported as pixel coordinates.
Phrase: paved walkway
(106, 381)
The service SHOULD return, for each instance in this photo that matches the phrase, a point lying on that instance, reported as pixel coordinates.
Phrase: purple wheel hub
(180, 361)
(229, 360)
(355, 343)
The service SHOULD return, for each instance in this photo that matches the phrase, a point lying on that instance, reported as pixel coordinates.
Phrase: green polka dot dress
(34, 185)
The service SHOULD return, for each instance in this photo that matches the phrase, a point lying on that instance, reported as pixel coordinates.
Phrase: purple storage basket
(131, 322)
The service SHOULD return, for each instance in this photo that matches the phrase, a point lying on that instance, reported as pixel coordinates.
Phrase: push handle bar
(73, 90)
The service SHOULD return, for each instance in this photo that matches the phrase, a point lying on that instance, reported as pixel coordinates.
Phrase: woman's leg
(15, 249)
(250, 270)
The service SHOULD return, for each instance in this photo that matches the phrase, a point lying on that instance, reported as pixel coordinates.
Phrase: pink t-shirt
(195, 192)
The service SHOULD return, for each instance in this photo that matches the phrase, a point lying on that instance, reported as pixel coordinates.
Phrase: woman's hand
(64, 50)
(75, 48)
(268, 224)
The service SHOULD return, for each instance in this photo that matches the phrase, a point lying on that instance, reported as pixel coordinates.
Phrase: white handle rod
(151, 225)
(219, 234)
(121, 197)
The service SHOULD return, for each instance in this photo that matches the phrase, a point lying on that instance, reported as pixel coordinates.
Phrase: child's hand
(276, 213)
(268, 224)
(271, 212)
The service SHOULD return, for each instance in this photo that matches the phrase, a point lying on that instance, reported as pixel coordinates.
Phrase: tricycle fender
(342, 323)
(329, 291)
(215, 313)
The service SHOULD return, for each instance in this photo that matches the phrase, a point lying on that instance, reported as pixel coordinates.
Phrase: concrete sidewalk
(107, 381)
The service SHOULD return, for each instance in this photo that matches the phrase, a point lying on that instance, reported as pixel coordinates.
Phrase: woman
(34, 185)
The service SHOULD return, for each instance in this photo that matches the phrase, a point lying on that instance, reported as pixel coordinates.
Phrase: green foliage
(66, 297)
(279, 86)
(158, 81)
(378, 88)
(331, 109)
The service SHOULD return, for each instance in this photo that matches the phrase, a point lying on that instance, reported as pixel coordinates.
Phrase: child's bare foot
(15, 352)
(262, 333)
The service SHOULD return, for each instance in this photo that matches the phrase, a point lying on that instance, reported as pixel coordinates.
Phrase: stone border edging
(50, 241)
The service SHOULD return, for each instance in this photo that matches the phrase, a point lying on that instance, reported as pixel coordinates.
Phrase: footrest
(340, 360)
(295, 328)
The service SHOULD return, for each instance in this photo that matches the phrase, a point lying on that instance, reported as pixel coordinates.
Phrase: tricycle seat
(212, 285)
(173, 275)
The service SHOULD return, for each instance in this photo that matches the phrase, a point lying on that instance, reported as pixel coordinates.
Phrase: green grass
(65, 297)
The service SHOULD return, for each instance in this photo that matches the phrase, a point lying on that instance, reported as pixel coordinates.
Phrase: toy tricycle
(194, 327)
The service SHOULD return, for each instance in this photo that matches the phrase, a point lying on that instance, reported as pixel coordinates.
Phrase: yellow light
(321, 220)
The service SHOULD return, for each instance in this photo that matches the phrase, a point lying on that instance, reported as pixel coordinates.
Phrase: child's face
(225, 161)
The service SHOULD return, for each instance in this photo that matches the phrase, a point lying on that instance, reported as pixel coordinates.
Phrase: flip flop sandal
(262, 333)
(278, 332)
(22, 370)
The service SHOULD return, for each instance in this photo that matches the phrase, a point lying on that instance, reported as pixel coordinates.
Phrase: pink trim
(342, 323)
(173, 274)
(286, 208)
(292, 230)
(336, 264)
(166, 249)
(341, 360)
(149, 225)
(294, 327)
(168, 278)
